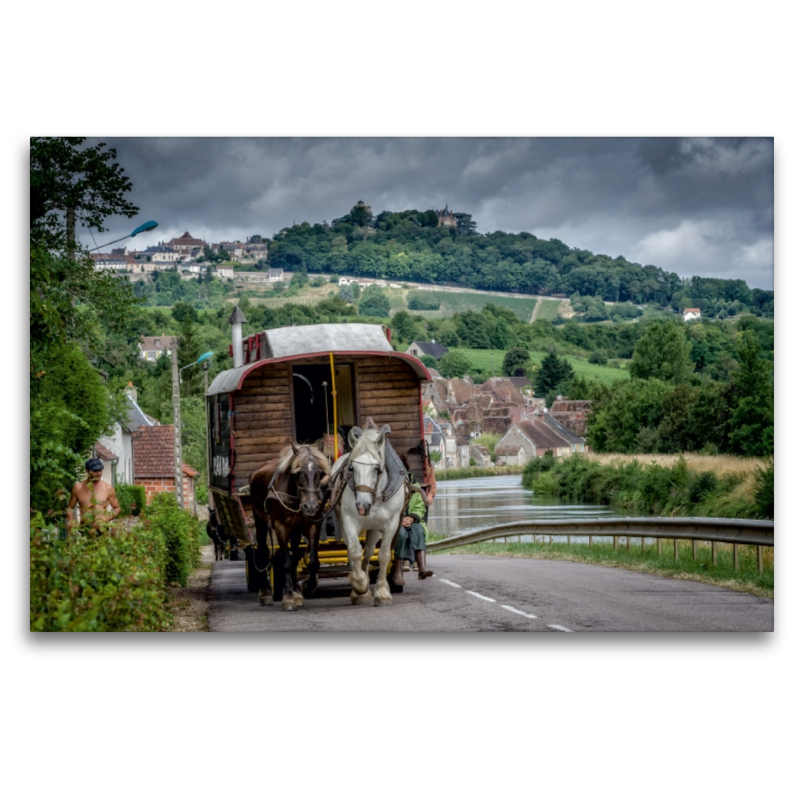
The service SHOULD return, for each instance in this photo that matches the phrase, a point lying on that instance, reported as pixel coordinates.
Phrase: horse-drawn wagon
(304, 385)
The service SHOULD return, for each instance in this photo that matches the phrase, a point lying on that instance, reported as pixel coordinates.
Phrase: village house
(275, 275)
(186, 245)
(116, 450)
(573, 414)
(535, 436)
(691, 313)
(151, 347)
(113, 261)
(432, 348)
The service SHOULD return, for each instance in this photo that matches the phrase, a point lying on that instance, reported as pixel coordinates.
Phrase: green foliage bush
(181, 534)
(132, 499)
(114, 582)
(650, 488)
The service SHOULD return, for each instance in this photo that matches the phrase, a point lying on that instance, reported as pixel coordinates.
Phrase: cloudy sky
(690, 206)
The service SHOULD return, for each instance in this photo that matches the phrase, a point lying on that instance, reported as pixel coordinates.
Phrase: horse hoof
(288, 605)
(298, 599)
(360, 599)
(383, 601)
(265, 599)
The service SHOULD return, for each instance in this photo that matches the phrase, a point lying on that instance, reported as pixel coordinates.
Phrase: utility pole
(176, 422)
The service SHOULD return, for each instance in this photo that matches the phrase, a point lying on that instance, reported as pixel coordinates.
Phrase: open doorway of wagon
(313, 402)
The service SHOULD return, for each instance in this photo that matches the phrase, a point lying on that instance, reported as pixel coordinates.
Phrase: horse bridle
(361, 487)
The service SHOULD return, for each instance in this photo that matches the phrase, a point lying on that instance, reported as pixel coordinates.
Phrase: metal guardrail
(696, 529)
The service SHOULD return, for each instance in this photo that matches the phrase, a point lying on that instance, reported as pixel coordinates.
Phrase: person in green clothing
(410, 543)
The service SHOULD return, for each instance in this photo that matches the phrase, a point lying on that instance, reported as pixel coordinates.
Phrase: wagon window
(313, 401)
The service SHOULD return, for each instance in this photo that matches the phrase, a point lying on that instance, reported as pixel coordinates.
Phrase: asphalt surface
(479, 593)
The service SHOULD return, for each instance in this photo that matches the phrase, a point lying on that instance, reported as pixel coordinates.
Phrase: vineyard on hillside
(458, 302)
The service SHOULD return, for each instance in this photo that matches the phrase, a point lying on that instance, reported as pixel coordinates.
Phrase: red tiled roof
(154, 453)
(103, 453)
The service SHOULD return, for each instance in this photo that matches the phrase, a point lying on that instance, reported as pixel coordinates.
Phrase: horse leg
(359, 580)
(292, 583)
(310, 586)
(284, 561)
(383, 594)
(261, 562)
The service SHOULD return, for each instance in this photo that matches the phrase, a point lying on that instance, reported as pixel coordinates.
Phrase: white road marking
(560, 628)
(517, 611)
(475, 594)
(450, 583)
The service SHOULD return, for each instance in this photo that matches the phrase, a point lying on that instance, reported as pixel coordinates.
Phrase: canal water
(471, 504)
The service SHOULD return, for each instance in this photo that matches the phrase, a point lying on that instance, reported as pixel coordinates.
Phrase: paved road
(479, 593)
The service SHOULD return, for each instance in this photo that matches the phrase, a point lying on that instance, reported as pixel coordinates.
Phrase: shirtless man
(94, 496)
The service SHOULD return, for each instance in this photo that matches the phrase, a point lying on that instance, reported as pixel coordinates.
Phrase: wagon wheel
(250, 571)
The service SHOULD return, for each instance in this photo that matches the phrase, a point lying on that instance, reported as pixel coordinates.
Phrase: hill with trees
(410, 246)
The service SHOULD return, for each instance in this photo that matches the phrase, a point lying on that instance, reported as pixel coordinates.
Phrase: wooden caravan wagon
(307, 384)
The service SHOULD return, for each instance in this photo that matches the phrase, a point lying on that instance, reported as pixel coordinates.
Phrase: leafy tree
(517, 361)
(663, 353)
(69, 409)
(454, 365)
(752, 431)
(598, 357)
(407, 328)
(182, 311)
(71, 185)
(553, 376)
(430, 362)
(72, 307)
(374, 303)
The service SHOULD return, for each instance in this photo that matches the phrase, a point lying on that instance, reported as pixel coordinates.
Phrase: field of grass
(548, 309)
(453, 302)
(492, 361)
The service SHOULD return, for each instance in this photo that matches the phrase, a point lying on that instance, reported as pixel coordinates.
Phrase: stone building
(447, 219)
(573, 414)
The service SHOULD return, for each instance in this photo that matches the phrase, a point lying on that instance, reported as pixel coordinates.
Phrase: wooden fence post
(675, 548)
(736, 556)
(694, 550)
(760, 557)
(616, 539)
(714, 553)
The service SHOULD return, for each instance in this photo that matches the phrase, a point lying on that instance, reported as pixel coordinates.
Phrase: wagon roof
(307, 341)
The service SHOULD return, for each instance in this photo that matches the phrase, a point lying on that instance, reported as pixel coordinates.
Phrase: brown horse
(287, 495)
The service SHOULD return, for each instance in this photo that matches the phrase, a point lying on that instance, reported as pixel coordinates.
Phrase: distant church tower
(447, 219)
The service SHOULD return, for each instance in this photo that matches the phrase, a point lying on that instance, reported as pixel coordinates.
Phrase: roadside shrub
(113, 582)
(132, 499)
(181, 534)
(765, 491)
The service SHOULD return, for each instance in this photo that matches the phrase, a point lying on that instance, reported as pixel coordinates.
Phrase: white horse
(364, 506)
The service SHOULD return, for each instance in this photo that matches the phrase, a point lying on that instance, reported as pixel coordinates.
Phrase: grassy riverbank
(681, 485)
(745, 579)
(453, 474)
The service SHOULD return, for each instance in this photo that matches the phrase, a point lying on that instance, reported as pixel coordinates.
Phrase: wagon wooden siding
(387, 390)
(263, 419)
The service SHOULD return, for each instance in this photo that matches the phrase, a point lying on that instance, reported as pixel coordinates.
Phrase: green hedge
(181, 533)
(114, 582)
(132, 499)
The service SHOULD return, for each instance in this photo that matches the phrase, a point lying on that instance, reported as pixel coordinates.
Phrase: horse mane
(289, 461)
(367, 442)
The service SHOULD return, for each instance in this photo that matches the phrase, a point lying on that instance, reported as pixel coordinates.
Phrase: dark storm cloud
(691, 206)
